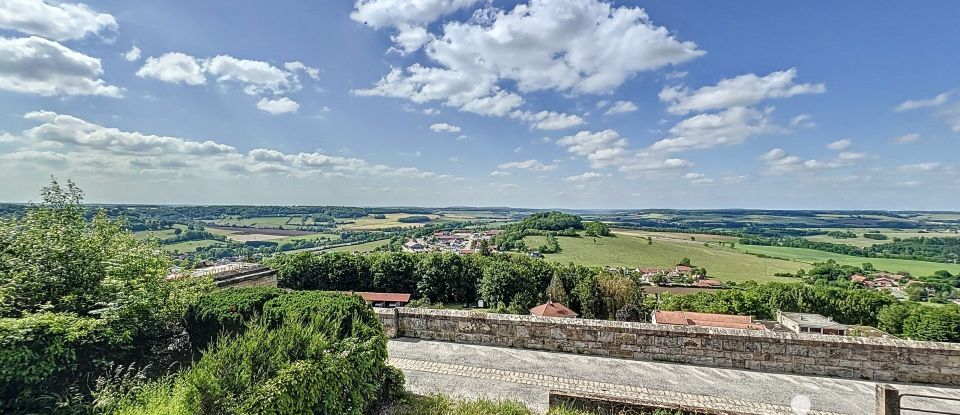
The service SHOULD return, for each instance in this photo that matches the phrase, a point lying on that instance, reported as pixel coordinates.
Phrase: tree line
(937, 249)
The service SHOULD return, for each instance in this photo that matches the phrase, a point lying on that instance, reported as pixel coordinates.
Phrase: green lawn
(861, 242)
(369, 223)
(810, 256)
(161, 234)
(312, 236)
(627, 250)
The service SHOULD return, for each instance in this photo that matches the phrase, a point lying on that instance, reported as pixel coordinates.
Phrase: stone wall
(809, 354)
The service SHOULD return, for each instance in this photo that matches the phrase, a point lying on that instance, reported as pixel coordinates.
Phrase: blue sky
(561, 103)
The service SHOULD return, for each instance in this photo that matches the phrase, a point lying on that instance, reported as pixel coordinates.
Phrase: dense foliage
(309, 352)
(550, 224)
(923, 249)
(77, 297)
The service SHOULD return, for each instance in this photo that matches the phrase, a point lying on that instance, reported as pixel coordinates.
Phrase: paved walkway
(501, 373)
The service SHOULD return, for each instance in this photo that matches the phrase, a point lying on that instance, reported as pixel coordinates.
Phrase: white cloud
(621, 107)
(382, 14)
(907, 138)
(531, 164)
(548, 120)
(731, 126)
(132, 55)
(454, 159)
(256, 76)
(442, 127)
(779, 162)
(585, 177)
(86, 145)
(582, 46)
(774, 154)
(698, 178)
(299, 66)
(912, 104)
(497, 173)
(34, 65)
(281, 105)
(608, 149)
(802, 121)
(851, 156)
(743, 90)
(410, 154)
(60, 22)
(840, 144)
(594, 144)
(174, 67)
(919, 167)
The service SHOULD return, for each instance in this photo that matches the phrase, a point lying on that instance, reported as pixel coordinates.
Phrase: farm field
(160, 234)
(369, 223)
(364, 247)
(260, 221)
(809, 256)
(189, 246)
(861, 242)
(627, 250)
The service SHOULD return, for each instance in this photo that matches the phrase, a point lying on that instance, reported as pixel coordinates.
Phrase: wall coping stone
(942, 347)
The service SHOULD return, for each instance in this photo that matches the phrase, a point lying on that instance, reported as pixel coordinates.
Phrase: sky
(539, 104)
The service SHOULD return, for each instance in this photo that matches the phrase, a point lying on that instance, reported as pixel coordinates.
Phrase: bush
(309, 353)
(225, 311)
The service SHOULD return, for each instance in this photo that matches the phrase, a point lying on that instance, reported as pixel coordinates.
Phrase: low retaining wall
(808, 354)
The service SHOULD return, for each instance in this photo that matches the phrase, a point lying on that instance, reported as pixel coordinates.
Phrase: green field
(810, 256)
(629, 250)
(364, 247)
(862, 242)
(369, 223)
(312, 236)
(262, 221)
(189, 246)
(161, 234)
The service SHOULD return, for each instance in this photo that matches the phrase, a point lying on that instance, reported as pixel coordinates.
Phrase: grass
(161, 234)
(628, 249)
(364, 247)
(862, 242)
(369, 223)
(190, 246)
(810, 256)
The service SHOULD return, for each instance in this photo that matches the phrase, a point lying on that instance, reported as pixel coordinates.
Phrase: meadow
(364, 247)
(391, 221)
(629, 249)
(810, 256)
(862, 242)
(189, 246)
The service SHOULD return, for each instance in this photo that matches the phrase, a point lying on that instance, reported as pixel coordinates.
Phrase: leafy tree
(596, 229)
(394, 272)
(590, 296)
(556, 291)
(684, 261)
(934, 324)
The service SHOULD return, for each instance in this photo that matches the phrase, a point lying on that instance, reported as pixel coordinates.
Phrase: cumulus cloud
(741, 91)
(621, 107)
(38, 66)
(907, 138)
(296, 66)
(255, 76)
(584, 177)
(919, 167)
(86, 145)
(60, 22)
(777, 162)
(840, 144)
(382, 14)
(608, 149)
(281, 105)
(174, 67)
(731, 126)
(580, 46)
(132, 55)
(802, 121)
(548, 120)
(531, 164)
(442, 127)
(698, 178)
(912, 104)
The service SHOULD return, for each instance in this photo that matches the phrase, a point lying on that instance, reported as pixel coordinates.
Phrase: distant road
(528, 375)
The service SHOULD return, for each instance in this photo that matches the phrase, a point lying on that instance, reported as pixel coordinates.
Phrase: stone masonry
(809, 354)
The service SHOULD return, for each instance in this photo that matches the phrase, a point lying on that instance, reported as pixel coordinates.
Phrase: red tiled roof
(385, 297)
(552, 309)
(687, 318)
(707, 283)
(683, 268)
(650, 270)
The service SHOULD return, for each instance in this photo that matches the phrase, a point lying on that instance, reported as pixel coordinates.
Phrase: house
(707, 283)
(683, 269)
(810, 323)
(689, 318)
(552, 309)
(884, 282)
(858, 278)
(390, 300)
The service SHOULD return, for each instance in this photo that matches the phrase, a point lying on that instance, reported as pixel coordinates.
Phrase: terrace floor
(471, 371)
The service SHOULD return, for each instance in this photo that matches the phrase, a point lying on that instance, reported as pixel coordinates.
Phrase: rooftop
(689, 318)
(552, 309)
(812, 320)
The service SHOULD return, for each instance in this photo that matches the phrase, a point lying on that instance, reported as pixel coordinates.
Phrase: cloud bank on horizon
(539, 103)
